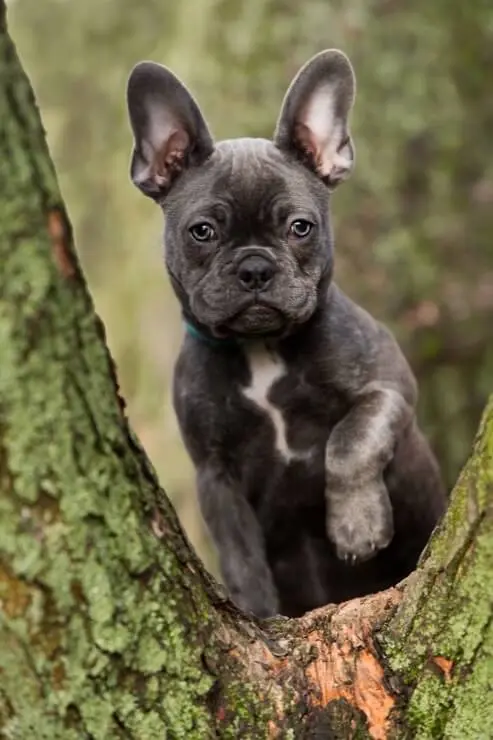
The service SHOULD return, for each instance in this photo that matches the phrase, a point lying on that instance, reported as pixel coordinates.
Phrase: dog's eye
(202, 232)
(300, 228)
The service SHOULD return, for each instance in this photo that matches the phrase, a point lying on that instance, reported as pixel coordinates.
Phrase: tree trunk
(110, 626)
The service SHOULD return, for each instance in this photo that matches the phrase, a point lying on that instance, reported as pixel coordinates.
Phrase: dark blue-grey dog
(296, 407)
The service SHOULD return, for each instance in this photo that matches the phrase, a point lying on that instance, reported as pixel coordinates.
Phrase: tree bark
(110, 626)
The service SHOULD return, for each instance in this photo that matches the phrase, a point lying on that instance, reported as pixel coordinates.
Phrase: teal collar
(196, 333)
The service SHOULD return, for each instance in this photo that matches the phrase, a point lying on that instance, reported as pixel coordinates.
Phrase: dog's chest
(287, 404)
(266, 368)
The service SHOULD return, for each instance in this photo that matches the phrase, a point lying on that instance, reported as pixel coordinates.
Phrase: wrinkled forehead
(255, 174)
(250, 160)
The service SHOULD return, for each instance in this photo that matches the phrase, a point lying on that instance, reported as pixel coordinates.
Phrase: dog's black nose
(255, 273)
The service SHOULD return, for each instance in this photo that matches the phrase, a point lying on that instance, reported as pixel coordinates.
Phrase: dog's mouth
(254, 320)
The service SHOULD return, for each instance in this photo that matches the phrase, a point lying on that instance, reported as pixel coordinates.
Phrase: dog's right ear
(170, 133)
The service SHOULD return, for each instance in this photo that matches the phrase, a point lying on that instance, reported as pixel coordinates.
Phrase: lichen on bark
(440, 640)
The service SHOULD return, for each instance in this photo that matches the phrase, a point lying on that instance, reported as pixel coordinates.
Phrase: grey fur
(297, 408)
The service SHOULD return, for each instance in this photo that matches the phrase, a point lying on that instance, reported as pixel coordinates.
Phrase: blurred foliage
(414, 225)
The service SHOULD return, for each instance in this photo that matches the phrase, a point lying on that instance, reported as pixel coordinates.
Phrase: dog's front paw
(360, 522)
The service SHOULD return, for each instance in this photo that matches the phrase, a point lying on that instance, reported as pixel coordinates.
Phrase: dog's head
(248, 237)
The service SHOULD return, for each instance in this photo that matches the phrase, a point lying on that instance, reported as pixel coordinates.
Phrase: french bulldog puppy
(296, 406)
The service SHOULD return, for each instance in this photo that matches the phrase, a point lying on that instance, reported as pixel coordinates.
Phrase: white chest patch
(266, 368)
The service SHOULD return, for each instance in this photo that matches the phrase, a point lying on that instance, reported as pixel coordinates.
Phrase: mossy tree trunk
(110, 628)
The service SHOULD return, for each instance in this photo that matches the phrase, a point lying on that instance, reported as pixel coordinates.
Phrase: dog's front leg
(240, 543)
(359, 512)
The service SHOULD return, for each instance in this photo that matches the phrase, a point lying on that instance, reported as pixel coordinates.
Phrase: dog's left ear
(313, 124)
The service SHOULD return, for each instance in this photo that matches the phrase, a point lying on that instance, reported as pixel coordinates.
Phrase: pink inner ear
(169, 159)
(306, 142)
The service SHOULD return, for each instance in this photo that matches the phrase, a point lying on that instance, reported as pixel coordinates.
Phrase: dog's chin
(254, 321)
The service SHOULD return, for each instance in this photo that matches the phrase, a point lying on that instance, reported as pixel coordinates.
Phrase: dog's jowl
(297, 408)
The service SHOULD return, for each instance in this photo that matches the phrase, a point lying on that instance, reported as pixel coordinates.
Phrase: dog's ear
(313, 123)
(169, 130)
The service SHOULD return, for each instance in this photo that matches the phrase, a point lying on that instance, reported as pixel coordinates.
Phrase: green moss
(243, 721)
(97, 716)
(457, 708)
(428, 707)
(147, 725)
(151, 656)
(446, 613)
(472, 715)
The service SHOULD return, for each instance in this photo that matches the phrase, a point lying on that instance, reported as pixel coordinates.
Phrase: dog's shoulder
(205, 373)
(362, 350)
(206, 382)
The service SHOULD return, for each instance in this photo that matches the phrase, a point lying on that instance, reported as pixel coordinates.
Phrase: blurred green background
(413, 226)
